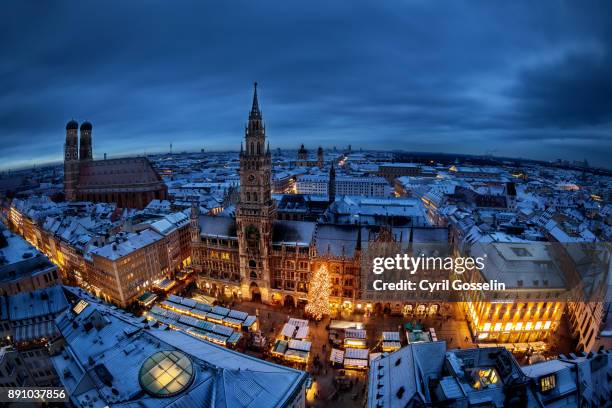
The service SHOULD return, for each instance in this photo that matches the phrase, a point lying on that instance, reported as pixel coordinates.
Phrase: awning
(232, 322)
(391, 345)
(296, 355)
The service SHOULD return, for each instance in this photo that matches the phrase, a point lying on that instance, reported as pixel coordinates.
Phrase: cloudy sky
(522, 79)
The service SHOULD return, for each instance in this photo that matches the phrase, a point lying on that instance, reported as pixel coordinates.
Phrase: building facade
(268, 254)
(344, 185)
(129, 182)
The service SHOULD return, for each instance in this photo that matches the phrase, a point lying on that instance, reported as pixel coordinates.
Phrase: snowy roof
(44, 302)
(408, 368)
(118, 343)
(293, 232)
(215, 226)
(127, 245)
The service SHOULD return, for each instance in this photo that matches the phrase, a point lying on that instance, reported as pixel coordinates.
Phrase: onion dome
(72, 125)
(86, 126)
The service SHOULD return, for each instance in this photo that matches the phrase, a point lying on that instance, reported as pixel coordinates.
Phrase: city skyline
(538, 90)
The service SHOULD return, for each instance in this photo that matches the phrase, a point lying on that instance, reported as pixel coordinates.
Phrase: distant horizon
(341, 149)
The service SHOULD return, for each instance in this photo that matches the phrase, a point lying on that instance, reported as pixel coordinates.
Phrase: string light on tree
(318, 294)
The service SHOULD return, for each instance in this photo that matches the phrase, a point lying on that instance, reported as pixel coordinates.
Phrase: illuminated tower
(255, 211)
(71, 160)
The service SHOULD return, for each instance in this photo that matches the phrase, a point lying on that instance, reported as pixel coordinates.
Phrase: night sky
(522, 79)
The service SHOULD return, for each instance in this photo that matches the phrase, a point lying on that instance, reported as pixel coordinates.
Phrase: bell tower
(255, 212)
(71, 160)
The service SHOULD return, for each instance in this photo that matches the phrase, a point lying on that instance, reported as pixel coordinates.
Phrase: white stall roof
(391, 336)
(300, 345)
(288, 330)
(337, 356)
(353, 353)
(298, 322)
(354, 334)
(302, 332)
(355, 362)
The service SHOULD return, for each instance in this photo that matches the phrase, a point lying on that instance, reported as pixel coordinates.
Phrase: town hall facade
(257, 256)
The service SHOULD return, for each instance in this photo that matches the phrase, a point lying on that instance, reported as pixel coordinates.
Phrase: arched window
(252, 148)
(248, 195)
(255, 197)
(258, 148)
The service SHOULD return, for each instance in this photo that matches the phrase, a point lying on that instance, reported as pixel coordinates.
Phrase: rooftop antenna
(170, 148)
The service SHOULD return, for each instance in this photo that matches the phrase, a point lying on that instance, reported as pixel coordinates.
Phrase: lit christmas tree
(318, 294)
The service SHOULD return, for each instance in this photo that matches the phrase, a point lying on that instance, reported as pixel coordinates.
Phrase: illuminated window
(547, 325)
(486, 327)
(497, 327)
(484, 377)
(518, 326)
(548, 383)
(225, 255)
(528, 326)
(79, 307)
(538, 325)
(508, 327)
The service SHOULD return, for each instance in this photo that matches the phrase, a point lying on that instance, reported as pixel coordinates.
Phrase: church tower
(255, 212)
(71, 160)
(85, 150)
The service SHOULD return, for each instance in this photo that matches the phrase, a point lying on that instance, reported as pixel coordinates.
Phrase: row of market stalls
(291, 343)
(216, 324)
(349, 340)
(215, 333)
(235, 319)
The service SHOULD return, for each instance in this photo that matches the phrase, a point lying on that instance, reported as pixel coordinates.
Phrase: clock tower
(255, 212)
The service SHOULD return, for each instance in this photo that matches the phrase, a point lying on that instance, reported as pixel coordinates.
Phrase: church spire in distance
(255, 113)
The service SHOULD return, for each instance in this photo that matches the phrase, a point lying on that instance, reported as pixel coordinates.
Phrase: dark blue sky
(524, 79)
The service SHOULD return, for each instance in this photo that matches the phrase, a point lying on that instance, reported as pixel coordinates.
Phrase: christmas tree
(318, 294)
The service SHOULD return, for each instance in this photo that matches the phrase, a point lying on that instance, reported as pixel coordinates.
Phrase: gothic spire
(255, 113)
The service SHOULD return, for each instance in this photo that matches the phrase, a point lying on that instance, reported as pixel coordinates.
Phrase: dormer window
(548, 383)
